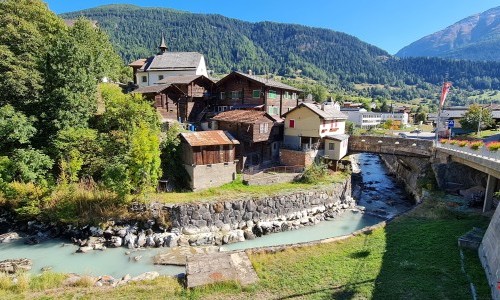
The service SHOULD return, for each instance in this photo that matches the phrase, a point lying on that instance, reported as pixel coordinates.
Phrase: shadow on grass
(337, 292)
(422, 259)
(360, 254)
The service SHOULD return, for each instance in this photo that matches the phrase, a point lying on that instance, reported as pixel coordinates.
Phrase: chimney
(250, 72)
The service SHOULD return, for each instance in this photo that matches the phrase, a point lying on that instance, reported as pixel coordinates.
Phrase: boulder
(14, 265)
(146, 276)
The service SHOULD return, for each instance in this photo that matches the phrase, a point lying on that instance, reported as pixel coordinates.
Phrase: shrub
(315, 173)
(462, 143)
(493, 146)
(476, 145)
(443, 141)
(453, 142)
(26, 199)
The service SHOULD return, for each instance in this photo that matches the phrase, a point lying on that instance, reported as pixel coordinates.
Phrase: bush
(443, 141)
(26, 199)
(315, 173)
(462, 143)
(476, 145)
(493, 146)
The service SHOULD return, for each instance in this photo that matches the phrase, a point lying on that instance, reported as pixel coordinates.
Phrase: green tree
(15, 129)
(28, 29)
(75, 65)
(30, 165)
(477, 115)
(171, 160)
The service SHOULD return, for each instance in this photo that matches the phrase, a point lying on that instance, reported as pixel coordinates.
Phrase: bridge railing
(482, 152)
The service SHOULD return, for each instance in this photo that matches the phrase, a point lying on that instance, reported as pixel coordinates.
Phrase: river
(380, 194)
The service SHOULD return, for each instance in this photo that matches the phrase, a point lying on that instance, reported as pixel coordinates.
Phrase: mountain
(476, 38)
(230, 44)
(336, 59)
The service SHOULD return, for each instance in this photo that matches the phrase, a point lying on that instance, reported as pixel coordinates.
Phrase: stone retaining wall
(232, 221)
(489, 253)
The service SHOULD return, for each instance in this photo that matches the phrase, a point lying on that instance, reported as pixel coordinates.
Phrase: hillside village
(269, 123)
(266, 120)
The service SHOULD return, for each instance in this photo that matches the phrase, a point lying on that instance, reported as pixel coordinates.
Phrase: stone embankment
(218, 223)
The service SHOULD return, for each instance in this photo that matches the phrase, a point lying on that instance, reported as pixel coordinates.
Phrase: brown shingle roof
(264, 81)
(243, 116)
(208, 138)
(138, 63)
(151, 89)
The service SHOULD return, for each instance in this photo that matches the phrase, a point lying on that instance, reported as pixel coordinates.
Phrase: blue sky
(388, 24)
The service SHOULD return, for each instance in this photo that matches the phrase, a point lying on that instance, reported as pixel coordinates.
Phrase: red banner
(444, 93)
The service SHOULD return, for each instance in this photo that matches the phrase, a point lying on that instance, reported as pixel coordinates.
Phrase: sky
(387, 24)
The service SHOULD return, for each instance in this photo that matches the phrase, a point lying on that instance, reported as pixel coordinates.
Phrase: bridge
(482, 159)
(391, 145)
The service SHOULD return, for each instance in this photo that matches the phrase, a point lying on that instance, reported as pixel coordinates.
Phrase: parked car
(402, 135)
(416, 131)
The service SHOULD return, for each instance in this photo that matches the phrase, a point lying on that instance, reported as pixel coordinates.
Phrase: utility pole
(479, 123)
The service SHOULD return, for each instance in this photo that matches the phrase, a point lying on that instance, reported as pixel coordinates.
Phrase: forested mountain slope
(335, 58)
(476, 38)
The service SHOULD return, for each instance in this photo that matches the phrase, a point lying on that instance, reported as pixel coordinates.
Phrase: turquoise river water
(61, 257)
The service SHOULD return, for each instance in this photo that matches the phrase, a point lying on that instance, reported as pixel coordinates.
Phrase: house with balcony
(250, 92)
(180, 98)
(259, 134)
(312, 131)
(209, 158)
(367, 119)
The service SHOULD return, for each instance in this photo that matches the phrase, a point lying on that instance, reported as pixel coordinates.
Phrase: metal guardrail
(481, 153)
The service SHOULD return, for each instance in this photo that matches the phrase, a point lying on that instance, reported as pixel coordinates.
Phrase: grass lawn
(414, 257)
(483, 134)
(237, 189)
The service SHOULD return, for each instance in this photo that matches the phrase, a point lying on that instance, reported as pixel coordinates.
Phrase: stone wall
(489, 253)
(413, 171)
(391, 145)
(231, 221)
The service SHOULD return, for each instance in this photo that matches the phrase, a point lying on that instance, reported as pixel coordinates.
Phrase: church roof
(173, 61)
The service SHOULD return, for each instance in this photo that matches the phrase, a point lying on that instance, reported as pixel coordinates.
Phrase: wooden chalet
(180, 98)
(245, 91)
(209, 157)
(259, 135)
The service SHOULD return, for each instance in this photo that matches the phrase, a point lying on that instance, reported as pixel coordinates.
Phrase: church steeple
(163, 46)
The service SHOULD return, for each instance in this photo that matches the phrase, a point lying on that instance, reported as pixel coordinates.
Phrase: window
(287, 95)
(256, 94)
(331, 146)
(235, 94)
(264, 128)
(292, 124)
(273, 110)
(294, 96)
(160, 77)
(271, 94)
(222, 95)
(144, 79)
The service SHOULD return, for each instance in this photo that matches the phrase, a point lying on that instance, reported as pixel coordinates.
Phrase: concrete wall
(489, 253)
(207, 176)
(240, 219)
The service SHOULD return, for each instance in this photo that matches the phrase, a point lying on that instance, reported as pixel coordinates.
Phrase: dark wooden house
(259, 135)
(245, 91)
(209, 157)
(180, 98)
